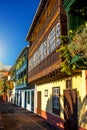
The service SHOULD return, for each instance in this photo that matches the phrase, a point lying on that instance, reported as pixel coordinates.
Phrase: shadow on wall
(56, 119)
(53, 118)
(82, 111)
(70, 110)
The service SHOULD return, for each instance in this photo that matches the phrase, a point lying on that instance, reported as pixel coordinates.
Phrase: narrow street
(16, 118)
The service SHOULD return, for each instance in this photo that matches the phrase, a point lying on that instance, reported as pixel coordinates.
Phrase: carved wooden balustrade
(48, 65)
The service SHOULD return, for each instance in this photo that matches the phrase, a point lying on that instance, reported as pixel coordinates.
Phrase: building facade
(24, 93)
(59, 97)
(77, 23)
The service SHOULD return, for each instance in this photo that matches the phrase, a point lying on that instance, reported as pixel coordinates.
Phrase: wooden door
(70, 110)
(39, 102)
(32, 101)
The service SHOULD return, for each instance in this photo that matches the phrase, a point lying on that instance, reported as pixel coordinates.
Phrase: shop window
(56, 100)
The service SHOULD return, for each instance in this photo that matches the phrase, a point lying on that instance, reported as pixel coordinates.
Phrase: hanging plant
(74, 54)
(78, 47)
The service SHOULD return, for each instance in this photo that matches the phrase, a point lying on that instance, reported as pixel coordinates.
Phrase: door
(20, 99)
(17, 98)
(39, 102)
(70, 110)
(25, 99)
(32, 100)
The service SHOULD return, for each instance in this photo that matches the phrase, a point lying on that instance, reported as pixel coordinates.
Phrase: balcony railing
(23, 85)
(22, 67)
(45, 64)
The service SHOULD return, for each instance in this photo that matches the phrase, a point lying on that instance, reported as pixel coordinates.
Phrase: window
(31, 64)
(25, 72)
(58, 30)
(69, 84)
(57, 34)
(36, 58)
(46, 93)
(44, 49)
(56, 100)
(48, 46)
(21, 74)
(52, 39)
(28, 97)
(25, 55)
(41, 52)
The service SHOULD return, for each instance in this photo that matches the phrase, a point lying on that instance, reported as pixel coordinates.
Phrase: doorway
(70, 110)
(25, 99)
(39, 102)
(32, 101)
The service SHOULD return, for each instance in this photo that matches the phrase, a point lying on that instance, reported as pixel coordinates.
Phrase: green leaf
(75, 59)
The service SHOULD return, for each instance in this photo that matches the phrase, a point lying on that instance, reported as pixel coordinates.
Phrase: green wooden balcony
(67, 4)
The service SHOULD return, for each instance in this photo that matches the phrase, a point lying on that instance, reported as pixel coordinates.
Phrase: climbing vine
(66, 60)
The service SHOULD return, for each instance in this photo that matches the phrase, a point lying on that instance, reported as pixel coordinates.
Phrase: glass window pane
(57, 34)
(56, 99)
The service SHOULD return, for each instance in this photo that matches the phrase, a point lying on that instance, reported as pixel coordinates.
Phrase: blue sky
(15, 19)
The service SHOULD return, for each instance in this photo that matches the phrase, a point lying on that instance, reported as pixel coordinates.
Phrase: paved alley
(16, 118)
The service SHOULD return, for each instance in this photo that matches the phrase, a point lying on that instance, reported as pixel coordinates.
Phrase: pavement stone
(13, 117)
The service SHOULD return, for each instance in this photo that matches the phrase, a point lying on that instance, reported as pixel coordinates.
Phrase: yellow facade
(78, 82)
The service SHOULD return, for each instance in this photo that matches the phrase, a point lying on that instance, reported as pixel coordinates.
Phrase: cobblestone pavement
(13, 117)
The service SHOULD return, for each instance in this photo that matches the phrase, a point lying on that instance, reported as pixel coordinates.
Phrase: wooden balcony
(46, 67)
(45, 27)
(48, 70)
